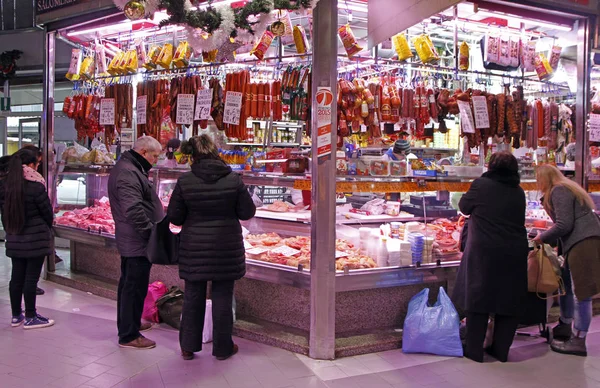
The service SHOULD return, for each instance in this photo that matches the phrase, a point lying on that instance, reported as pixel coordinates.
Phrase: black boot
(562, 330)
(39, 291)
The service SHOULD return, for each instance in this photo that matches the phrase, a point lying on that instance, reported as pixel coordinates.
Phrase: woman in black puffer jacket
(208, 202)
(27, 218)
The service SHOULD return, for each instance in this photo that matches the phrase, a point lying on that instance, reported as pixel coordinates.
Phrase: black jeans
(192, 319)
(505, 328)
(133, 287)
(23, 282)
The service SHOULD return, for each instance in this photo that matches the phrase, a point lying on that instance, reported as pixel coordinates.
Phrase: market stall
(330, 276)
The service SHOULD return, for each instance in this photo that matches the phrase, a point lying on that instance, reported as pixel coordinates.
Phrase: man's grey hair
(147, 143)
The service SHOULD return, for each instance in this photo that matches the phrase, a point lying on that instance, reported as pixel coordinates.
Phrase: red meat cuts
(96, 218)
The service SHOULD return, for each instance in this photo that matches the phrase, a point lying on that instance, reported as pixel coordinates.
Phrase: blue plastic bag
(433, 330)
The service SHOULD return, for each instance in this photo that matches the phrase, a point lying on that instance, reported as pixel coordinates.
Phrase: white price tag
(363, 128)
(397, 127)
(482, 119)
(247, 245)
(594, 127)
(466, 117)
(285, 251)
(107, 111)
(185, 109)
(203, 104)
(255, 251)
(140, 108)
(340, 254)
(233, 108)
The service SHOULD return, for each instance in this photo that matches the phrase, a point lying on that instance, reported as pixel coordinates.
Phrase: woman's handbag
(543, 273)
(163, 246)
(170, 306)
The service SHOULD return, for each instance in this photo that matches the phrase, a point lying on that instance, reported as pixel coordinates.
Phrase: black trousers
(192, 319)
(23, 282)
(133, 287)
(505, 328)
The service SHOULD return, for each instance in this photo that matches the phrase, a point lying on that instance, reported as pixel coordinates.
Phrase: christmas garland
(210, 19)
(8, 64)
(210, 28)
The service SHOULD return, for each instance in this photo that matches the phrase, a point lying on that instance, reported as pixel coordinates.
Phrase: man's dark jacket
(134, 204)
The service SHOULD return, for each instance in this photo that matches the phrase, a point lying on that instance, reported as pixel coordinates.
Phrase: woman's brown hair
(200, 147)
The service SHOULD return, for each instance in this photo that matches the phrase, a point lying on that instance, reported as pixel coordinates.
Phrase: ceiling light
(516, 19)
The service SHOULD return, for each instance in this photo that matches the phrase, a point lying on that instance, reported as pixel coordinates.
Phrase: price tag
(340, 254)
(397, 127)
(466, 117)
(255, 251)
(285, 251)
(203, 104)
(363, 128)
(107, 111)
(140, 108)
(233, 108)
(482, 119)
(185, 109)
(247, 245)
(594, 127)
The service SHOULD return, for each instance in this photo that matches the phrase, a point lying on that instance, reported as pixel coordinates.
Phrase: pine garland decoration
(209, 20)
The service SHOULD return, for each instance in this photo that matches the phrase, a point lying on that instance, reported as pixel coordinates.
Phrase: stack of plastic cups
(427, 250)
(417, 242)
(373, 245)
(394, 252)
(405, 254)
(365, 235)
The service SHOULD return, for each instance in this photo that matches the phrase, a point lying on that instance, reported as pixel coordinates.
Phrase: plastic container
(392, 208)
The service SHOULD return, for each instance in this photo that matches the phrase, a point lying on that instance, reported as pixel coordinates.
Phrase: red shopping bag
(155, 291)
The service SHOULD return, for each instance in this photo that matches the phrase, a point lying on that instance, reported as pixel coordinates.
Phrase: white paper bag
(207, 333)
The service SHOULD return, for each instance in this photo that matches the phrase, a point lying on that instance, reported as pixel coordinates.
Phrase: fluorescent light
(516, 19)
(352, 6)
(125, 25)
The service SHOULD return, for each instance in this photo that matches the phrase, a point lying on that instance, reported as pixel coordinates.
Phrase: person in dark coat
(136, 208)
(492, 278)
(208, 203)
(577, 228)
(27, 218)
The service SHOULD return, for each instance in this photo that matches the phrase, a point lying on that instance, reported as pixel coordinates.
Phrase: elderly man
(135, 208)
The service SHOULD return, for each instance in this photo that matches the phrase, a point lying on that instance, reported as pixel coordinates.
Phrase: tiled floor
(80, 351)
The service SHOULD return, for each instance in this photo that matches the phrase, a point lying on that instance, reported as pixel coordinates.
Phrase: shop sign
(43, 6)
(324, 101)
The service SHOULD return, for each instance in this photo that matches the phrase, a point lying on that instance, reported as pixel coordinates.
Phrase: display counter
(369, 298)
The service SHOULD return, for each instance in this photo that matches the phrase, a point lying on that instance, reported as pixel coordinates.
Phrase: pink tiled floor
(80, 351)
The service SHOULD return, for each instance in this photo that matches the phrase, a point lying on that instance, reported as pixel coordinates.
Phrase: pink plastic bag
(155, 291)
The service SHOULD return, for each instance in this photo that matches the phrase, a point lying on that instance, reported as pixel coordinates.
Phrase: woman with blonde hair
(577, 230)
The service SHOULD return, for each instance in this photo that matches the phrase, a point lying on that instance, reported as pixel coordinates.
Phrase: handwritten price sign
(140, 109)
(594, 127)
(233, 108)
(466, 117)
(185, 109)
(203, 104)
(482, 119)
(107, 111)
